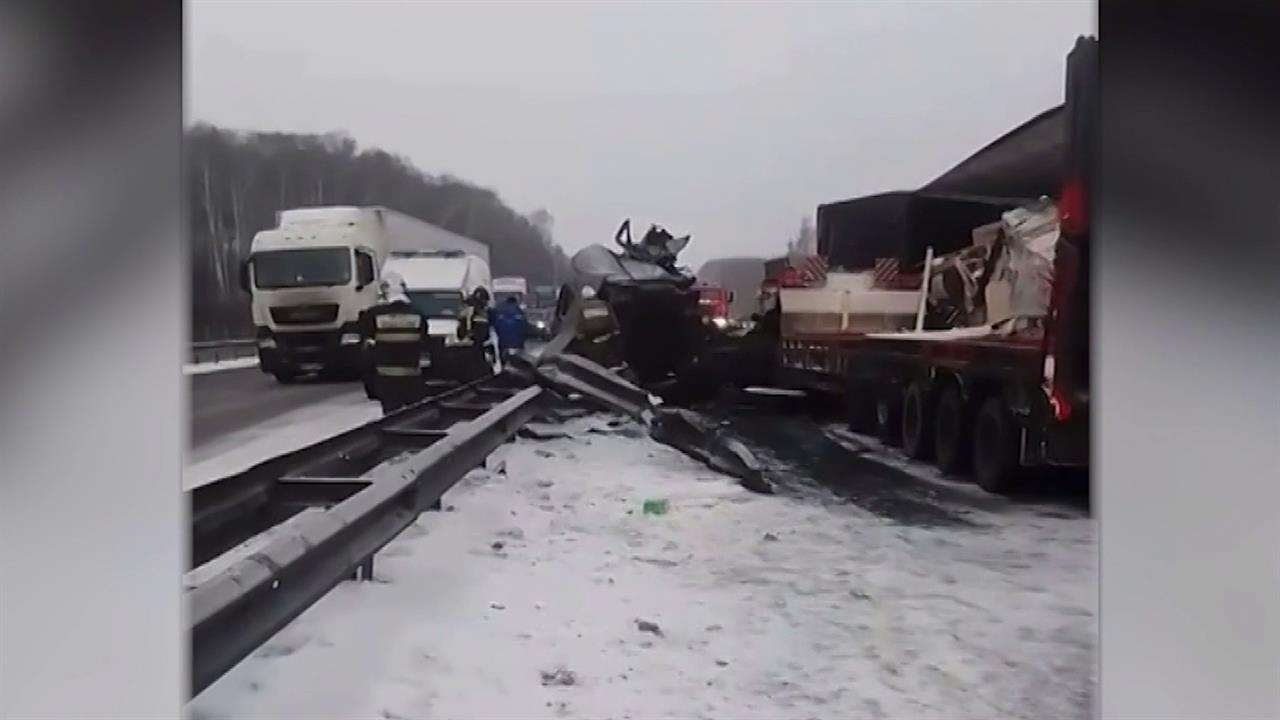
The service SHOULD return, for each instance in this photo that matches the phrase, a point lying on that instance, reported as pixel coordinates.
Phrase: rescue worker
(597, 328)
(474, 325)
(510, 325)
(398, 334)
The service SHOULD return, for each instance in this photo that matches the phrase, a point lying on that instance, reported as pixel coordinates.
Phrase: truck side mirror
(731, 296)
(364, 271)
(244, 275)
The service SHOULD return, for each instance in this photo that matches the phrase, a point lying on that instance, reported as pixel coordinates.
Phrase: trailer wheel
(951, 441)
(889, 417)
(917, 423)
(995, 462)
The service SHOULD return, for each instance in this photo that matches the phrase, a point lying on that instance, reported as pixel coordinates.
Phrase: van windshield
(312, 267)
(501, 296)
(436, 304)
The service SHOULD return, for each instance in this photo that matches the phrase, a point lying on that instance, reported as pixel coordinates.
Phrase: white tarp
(1031, 236)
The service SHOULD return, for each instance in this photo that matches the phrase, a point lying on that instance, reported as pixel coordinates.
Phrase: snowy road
(547, 593)
(231, 400)
(242, 417)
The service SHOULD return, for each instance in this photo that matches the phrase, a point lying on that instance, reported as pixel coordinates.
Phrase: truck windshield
(312, 267)
(436, 304)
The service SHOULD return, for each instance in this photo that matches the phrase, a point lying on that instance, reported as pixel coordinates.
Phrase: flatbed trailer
(968, 404)
(985, 401)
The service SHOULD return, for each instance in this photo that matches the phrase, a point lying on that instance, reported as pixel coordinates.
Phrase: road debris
(649, 627)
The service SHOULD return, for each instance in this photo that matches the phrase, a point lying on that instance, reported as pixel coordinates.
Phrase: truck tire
(889, 417)
(917, 422)
(995, 450)
(285, 377)
(951, 430)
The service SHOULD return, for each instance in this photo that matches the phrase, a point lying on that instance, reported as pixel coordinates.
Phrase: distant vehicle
(543, 296)
(713, 304)
(541, 320)
(312, 275)
(505, 287)
(438, 283)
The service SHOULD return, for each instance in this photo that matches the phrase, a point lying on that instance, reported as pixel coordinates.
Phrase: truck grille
(304, 314)
(305, 341)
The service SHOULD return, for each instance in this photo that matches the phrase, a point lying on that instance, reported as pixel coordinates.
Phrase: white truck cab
(313, 275)
(310, 278)
(438, 282)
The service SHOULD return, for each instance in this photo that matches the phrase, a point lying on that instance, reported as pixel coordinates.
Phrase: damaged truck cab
(654, 303)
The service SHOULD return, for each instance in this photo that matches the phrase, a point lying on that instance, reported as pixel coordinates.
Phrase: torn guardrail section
(703, 440)
(684, 430)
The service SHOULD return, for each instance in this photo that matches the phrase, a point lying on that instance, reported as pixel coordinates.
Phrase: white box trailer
(312, 275)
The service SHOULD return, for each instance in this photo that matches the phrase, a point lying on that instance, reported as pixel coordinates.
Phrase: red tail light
(1072, 210)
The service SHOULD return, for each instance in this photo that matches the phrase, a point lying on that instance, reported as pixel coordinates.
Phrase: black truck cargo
(1020, 166)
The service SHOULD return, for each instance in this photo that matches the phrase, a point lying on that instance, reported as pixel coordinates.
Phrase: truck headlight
(267, 343)
(351, 338)
(720, 322)
(540, 324)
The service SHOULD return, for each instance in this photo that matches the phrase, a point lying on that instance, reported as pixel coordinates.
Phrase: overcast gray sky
(728, 120)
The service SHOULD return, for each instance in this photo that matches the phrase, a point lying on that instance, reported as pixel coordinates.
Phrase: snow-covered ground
(245, 448)
(546, 592)
(219, 365)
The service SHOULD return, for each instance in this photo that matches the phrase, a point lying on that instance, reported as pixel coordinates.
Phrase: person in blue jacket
(510, 325)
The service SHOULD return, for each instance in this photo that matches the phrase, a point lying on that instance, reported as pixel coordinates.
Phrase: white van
(312, 275)
(506, 287)
(438, 283)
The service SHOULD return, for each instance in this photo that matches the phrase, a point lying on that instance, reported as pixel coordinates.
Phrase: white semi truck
(312, 275)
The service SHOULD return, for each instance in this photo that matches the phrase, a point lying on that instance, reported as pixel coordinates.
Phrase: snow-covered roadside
(245, 448)
(527, 602)
(219, 366)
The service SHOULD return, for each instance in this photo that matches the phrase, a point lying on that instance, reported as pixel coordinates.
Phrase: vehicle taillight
(1072, 210)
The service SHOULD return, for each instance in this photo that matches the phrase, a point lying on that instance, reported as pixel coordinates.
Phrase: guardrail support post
(363, 571)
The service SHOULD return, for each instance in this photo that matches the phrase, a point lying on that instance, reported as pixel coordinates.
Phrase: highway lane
(229, 400)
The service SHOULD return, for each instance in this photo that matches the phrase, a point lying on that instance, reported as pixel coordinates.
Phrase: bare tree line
(236, 182)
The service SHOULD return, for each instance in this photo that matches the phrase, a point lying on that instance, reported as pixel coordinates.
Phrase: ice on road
(546, 592)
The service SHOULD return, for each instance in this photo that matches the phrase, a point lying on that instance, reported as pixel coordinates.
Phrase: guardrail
(373, 482)
(212, 351)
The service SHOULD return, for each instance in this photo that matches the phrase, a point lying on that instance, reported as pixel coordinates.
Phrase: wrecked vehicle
(660, 332)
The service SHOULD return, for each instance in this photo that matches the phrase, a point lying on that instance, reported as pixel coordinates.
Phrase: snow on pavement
(219, 365)
(245, 448)
(528, 601)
